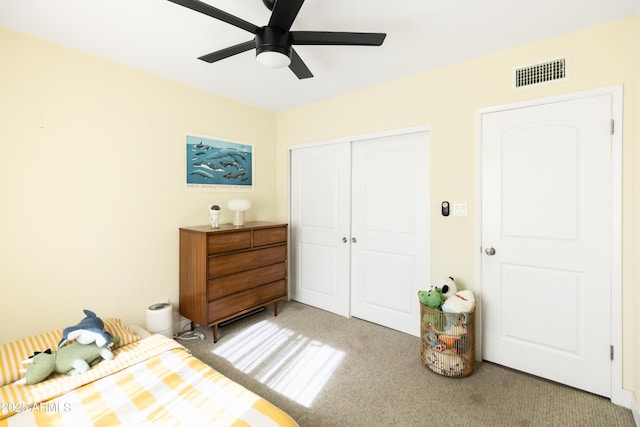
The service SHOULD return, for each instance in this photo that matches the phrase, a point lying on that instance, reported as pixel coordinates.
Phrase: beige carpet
(327, 370)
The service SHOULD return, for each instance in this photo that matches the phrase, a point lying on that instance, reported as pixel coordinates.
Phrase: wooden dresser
(231, 271)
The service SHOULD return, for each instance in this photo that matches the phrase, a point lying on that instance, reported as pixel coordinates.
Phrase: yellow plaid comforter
(151, 382)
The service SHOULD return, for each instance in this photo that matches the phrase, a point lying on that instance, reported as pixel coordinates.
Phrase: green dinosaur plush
(72, 359)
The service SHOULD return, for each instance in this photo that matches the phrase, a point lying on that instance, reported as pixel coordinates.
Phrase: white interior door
(320, 200)
(547, 213)
(389, 228)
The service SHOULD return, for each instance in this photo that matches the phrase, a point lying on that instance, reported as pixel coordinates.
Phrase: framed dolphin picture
(215, 164)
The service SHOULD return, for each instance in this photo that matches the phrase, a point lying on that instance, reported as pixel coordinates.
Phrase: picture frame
(217, 164)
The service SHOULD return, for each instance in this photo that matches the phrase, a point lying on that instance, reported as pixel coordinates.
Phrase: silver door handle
(490, 251)
(353, 240)
(344, 240)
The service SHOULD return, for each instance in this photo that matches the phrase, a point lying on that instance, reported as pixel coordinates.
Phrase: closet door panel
(390, 217)
(320, 221)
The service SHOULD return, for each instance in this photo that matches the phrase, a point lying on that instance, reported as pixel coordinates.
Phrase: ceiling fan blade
(284, 13)
(298, 66)
(337, 38)
(221, 15)
(229, 51)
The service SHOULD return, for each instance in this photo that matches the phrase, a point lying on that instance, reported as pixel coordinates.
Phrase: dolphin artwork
(212, 162)
(234, 175)
(208, 165)
(203, 174)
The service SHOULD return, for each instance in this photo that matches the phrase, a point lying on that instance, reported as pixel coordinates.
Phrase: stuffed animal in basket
(447, 286)
(460, 302)
(88, 330)
(72, 359)
(432, 298)
(447, 364)
(452, 333)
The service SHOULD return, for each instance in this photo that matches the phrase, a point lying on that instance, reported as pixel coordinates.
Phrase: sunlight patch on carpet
(287, 362)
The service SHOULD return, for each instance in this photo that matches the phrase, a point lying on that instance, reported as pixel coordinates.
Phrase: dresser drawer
(226, 242)
(234, 263)
(269, 236)
(232, 283)
(225, 307)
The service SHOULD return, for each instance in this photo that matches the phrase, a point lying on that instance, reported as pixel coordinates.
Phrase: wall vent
(540, 73)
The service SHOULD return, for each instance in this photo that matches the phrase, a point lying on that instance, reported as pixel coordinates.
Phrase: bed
(152, 380)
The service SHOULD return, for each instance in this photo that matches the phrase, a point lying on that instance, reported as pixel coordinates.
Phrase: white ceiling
(166, 39)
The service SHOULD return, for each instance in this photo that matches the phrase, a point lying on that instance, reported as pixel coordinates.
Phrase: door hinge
(611, 352)
(612, 127)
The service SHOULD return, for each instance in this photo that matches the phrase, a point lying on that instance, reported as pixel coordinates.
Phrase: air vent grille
(540, 73)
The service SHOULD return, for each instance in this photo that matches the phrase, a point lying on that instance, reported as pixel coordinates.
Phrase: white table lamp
(238, 206)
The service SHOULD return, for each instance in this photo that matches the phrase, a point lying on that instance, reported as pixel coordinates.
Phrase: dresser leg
(193, 326)
(215, 333)
(275, 308)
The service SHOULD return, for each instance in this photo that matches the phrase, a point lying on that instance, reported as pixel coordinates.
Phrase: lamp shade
(238, 206)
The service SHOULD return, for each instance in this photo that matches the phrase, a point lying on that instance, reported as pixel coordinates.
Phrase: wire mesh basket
(447, 341)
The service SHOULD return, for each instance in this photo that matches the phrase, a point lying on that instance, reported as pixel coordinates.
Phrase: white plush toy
(461, 302)
(447, 286)
(451, 365)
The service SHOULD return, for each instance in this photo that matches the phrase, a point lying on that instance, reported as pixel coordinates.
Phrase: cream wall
(448, 100)
(92, 183)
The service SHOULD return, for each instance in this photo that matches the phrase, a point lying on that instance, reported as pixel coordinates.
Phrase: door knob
(344, 240)
(490, 251)
(353, 240)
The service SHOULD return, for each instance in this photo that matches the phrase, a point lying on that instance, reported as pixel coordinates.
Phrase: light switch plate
(459, 209)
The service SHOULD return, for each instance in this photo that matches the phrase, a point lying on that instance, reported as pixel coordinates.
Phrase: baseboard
(627, 399)
(635, 410)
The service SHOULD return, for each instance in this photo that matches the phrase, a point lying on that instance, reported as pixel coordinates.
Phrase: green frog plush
(432, 298)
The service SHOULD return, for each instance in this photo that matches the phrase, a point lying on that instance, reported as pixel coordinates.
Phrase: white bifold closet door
(360, 228)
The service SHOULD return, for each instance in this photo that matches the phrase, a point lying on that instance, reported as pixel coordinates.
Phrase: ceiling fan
(274, 42)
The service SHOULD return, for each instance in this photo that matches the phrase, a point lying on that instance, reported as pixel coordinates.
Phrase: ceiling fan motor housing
(269, 3)
(273, 39)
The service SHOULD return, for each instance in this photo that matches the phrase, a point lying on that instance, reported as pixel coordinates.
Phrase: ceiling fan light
(273, 59)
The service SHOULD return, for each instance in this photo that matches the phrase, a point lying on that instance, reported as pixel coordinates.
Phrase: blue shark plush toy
(89, 330)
